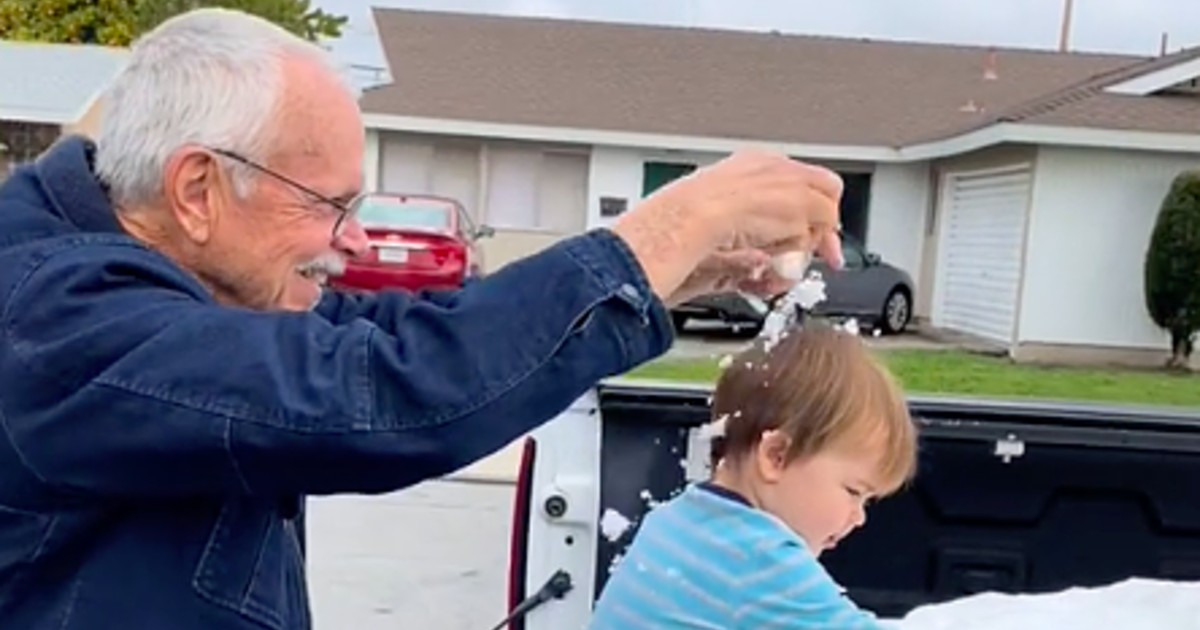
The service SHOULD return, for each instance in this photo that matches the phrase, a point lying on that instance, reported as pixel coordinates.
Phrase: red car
(416, 242)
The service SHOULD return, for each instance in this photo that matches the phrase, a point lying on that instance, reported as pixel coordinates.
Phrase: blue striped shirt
(712, 561)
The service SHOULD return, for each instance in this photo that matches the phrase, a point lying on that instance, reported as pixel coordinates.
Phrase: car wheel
(679, 320)
(897, 311)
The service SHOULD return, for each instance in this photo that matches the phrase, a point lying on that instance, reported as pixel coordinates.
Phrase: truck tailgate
(1010, 497)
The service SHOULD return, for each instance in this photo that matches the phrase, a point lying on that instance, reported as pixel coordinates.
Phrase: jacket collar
(67, 175)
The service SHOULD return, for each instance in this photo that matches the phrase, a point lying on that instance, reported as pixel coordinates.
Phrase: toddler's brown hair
(823, 388)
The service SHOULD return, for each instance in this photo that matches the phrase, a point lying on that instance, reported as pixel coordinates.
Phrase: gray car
(868, 289)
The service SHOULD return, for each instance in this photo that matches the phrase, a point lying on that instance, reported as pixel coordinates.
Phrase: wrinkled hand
(775, 204)
(746, 270)
(717, 228)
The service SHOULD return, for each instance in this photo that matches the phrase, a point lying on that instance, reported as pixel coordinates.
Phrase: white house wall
(616, 172)
(899, 204)
(1092, 215)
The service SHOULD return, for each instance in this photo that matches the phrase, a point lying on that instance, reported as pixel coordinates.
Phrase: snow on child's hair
(808, 291)
(805, 295)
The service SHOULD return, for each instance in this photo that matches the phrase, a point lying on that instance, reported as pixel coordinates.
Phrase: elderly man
(173, 379)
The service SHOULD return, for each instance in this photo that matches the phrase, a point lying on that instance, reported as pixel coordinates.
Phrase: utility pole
(1065, 36)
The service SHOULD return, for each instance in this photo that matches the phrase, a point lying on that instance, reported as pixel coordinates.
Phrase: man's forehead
(320, 138)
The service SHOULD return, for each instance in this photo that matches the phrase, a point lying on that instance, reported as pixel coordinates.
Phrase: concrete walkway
(434, 557)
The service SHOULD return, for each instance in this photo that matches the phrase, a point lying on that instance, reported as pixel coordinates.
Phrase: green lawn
(959, 373)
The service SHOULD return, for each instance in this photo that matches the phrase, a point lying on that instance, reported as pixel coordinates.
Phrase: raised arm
(195, 398)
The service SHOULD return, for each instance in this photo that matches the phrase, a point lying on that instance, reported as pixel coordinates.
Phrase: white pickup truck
(1012, 498)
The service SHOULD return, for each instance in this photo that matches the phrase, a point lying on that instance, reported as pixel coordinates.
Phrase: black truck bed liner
(1087, 496)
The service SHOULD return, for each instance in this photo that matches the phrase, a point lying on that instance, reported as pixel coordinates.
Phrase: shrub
(1172, 269)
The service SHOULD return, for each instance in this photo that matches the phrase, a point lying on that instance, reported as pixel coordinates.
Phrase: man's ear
(771, 455)
(194, 184)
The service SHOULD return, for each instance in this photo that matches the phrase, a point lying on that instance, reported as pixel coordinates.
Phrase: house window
(455, 174)
(655, 175)
(530, 188)
(512, 196)
(445, 168)
(562, 192)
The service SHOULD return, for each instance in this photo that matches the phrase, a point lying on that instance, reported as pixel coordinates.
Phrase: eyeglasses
(345, 210)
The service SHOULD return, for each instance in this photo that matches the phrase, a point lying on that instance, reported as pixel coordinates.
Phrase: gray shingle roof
(714, 83)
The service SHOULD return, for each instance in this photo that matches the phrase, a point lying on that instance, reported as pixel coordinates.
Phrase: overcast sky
(1124, 26)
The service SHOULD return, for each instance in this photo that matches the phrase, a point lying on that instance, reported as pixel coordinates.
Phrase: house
(49, 90)
(1018, 187)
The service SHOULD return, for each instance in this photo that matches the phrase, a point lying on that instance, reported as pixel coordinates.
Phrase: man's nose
(353, 239)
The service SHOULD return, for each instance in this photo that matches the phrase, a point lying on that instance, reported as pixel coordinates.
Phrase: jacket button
(630, 292)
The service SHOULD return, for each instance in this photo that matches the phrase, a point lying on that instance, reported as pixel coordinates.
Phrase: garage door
(979, 269)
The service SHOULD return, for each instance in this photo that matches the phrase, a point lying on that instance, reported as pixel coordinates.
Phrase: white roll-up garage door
(979, 268)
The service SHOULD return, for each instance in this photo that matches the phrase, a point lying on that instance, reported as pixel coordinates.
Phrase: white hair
(212, 77)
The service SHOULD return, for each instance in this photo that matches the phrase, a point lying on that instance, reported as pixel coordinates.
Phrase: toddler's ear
(771, 455)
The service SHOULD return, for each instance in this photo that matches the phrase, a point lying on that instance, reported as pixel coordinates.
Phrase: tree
(119, 22)
(108, 22)
(297, 16)
(1172, 269)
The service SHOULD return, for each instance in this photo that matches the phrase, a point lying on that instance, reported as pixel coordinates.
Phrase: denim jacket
(156, 446)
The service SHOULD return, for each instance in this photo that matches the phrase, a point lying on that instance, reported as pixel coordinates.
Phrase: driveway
(432, 557)
(703, 340)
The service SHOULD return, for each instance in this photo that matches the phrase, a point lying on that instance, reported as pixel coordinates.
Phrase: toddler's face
(823, 497)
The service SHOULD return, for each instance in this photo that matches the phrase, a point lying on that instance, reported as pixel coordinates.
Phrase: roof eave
(26, 115)
(974, 140)
(1053, 135)
(632, 139)
(1100, 138)
(1148, 83)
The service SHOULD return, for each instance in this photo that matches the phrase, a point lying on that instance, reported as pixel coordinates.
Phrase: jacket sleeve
(119, 376)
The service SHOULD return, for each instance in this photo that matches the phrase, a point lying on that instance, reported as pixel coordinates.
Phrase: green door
(658, 174)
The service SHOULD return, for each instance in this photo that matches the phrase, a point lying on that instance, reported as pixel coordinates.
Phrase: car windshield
(398, 214)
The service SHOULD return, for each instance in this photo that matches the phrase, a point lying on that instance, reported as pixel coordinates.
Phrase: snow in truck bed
(1136, 604)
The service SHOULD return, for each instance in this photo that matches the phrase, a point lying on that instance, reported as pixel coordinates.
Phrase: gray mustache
(329, 264)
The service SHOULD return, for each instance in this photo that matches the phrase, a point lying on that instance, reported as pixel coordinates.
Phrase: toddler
(814, 430)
